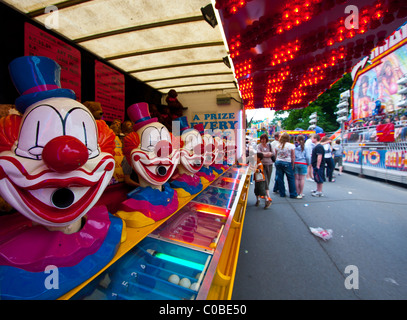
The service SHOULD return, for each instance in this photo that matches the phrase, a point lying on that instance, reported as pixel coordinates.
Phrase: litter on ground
(325, 234)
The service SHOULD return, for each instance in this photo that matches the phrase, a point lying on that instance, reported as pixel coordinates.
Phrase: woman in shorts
(300, 166)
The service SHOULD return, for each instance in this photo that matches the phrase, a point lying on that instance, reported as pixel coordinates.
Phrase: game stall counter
(192, 254)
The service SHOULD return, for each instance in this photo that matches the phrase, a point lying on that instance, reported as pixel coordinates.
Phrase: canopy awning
(166, 44)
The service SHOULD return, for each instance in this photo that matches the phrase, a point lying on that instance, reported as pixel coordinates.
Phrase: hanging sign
(216, 120)
(109, 91)
(41, 43)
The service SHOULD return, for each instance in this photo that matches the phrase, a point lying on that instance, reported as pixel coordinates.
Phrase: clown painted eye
(81, 125)
(165, 134)
(149, 138)
(39, 126)
(192, 139)
(46, 122)
(208, 140)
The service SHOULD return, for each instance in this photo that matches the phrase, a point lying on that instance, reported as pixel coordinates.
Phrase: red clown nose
(65, 153)
(163, 149)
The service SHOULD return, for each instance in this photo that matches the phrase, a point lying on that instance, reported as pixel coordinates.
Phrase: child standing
(260, 182)
(338, 154)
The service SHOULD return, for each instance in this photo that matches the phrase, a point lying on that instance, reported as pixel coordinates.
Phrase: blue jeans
(283, 167)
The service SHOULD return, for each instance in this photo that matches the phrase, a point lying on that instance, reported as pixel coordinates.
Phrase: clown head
(219, 149)
(209, 145)
(230, 154)
(230, 146)
(192, 148)
(149, 148)
(53, 160)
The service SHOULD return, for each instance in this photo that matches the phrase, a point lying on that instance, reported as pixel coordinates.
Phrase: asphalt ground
(366, 258)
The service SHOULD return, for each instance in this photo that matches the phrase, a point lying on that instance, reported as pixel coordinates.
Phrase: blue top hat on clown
(186, 182)
(36, 168)
(36, 79)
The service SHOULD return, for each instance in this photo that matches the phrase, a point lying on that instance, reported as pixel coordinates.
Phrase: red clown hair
(9, 128)
(106, 137)
(130, 142)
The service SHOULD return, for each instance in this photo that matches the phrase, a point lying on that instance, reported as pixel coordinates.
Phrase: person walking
(276, 141)
(265, 148)
(273, 145)
(338, 155)
(260, 182)
(318, 165)
(329, 161)
(300, 166)
(309, 146)
(285, 157)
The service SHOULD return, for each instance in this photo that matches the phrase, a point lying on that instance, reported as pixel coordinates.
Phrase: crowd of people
(312, 159)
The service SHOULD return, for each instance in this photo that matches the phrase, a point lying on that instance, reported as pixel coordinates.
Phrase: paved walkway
(279, 258)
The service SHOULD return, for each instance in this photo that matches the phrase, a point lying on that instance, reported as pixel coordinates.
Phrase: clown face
(192, 151)
(154, 159)
(230, 154)
(209, 146)
(55, 172)
(219, 150)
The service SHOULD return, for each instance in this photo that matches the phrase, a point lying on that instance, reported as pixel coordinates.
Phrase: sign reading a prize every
(214, 120)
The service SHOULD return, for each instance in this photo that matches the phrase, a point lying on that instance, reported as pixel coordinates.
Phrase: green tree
(324, 105)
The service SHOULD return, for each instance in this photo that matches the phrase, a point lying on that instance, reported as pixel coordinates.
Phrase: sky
(260, 114)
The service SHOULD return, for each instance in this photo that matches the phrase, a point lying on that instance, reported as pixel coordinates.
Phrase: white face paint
(192, 151)
(209, 147)
(155, 159)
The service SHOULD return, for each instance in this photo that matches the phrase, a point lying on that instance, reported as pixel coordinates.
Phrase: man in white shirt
(273, 146)
(275, 142)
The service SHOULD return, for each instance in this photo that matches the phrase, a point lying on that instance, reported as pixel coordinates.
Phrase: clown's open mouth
(154, 170)
(60, 205)
(192, 163)
(161, 171)
(63, 198)
(158, 171)
(197, 164)
(55, 199)
(209, 158)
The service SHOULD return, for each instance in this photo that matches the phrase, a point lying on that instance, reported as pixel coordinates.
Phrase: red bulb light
(351, 33)
(378, 14)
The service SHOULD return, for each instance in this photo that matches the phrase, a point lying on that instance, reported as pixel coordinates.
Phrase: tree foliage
(324, 105)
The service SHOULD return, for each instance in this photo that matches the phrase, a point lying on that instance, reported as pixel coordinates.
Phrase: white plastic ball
(173, 279)
(185, 282)
(194, 286)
